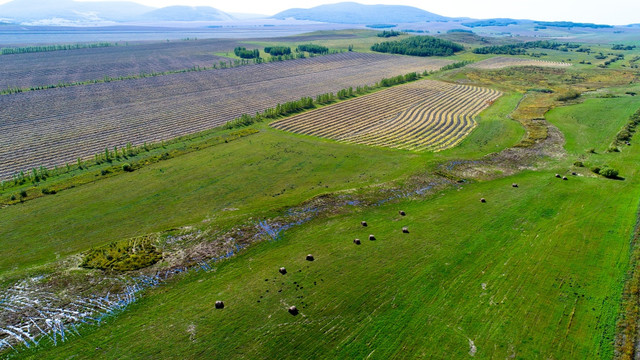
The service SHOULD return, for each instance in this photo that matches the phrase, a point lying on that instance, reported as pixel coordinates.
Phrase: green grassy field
(224, 185)
(536, 272)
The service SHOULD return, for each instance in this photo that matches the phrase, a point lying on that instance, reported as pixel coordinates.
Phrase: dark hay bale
(357, 241)
(310, 257)
(514, 185)
(402, 213)
(371, 237)
(405, 230)
(483, 200)
(558, 176)
(282, 270)
(364, 223)
(564, 178)
(219, 305)
(293, 310)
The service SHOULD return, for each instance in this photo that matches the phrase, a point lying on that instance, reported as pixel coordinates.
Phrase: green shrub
(124, 255)
(569, 95)
(127, 167)
(48, 191)
(23, 193)
(613, 148)
(591, 151)
(13, 198)
(609, 173)
(578, 164)
(595, 169)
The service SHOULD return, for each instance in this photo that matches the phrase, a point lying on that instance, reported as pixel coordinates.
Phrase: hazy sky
(610, 11)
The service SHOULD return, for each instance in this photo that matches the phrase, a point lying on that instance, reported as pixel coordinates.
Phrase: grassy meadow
(535, 272)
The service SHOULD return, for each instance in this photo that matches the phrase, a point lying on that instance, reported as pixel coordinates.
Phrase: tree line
(45, 48)
(243, 53)
(306, 103)
(313, 48)
(277, 50)
(521, 48)
(419, 46)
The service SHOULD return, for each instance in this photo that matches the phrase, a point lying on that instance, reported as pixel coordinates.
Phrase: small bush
(127, 167)
(595, 170)
(569, 95)
(105, 172)
(124, 255)
(624, 135)
(609, 173)
(48, 191)
(13, 198)
(613, 148)
(578, 164)
(23, 193)
(591, 151)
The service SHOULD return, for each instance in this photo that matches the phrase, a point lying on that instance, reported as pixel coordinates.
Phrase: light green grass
(536, 272)
(594, 123)
(551, 261)
(223, 185)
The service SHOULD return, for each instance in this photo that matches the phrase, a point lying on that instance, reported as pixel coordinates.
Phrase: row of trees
(313, 48)
(44, 48)
(277, 50)
(419, 46)
(520, 48)
(307, 103)
(243, 53)
(390, 33)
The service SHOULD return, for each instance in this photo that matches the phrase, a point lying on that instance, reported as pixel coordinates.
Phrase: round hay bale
(402, 213)
(357, 241)
(558, 175)
(483, 200)
(371, 237)
(282, 270)
(405, 230)
(310, 257)
(514, 185)
(219, 305)
(564, 178)
(364, 223)
(293, 310)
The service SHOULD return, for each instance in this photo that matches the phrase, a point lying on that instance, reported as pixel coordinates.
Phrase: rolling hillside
(354, 13)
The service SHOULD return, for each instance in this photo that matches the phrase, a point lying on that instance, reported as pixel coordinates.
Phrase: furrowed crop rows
(501, 62)
(49, 68)
(424, 116)
(57, 126)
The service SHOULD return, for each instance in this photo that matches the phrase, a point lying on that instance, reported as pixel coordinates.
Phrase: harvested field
(47, 68)
(425, 116)
(52, 127)
(501, 62)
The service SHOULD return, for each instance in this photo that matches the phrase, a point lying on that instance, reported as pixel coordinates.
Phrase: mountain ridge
(355, 13)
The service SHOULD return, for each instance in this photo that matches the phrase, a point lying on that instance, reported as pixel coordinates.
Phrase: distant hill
(354, 13)
(490, 22)
(187, 13)
(69, 10)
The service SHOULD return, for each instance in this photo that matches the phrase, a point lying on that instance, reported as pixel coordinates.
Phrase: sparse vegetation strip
(47, 48)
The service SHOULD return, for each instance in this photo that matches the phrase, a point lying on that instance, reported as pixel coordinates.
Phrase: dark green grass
(552, 256)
